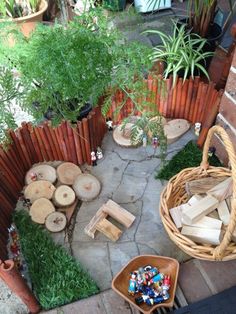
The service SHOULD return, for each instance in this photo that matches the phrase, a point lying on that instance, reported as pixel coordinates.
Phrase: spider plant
(16, 8)
(181, 52)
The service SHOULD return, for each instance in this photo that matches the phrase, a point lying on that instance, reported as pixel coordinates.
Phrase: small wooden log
(108, 229)
(67, 172)
(86, 187)
(69, 210)
(174, 129)
(42, 172)
(119, 213)
(39, 189)
(40, 209)
(201, 235)
(64, 196)
(223, 212)
(222, 190)
(200, 209)
(201, 186)
(55, 222)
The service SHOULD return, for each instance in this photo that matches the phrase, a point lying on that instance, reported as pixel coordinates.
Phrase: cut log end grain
(123, 138)
(41, 172)
(55, 222)
(86, 187)
(40, 209)
(39, 189)
(67, 172)
(174, 129)
(64, 196)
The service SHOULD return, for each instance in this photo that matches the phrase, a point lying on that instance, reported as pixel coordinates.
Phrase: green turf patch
(189, 156)
(56, 277)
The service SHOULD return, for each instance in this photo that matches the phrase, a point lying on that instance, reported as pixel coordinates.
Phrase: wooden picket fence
(191, 99)
(32, 144)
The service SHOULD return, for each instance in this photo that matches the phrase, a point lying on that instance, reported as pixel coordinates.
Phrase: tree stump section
(64, 196)
(39, 189)
(41, 172)
(67, 172)
(122, 137)
(55, 222)
(40, 209)
(174, 129)
(86, 187)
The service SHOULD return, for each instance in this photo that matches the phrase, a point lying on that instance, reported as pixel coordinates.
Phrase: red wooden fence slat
(35, 142)
(78, 146)
(202, 102)
(179, 86)
(196, 105)
(50, 142)
(24, 150)
(194, 98)
(71, 143)
(188, 99)
(183, 99)
(86, 137)
(45, 142)
(41, 144)
(82, 139)
(18, 149)
(28, 143)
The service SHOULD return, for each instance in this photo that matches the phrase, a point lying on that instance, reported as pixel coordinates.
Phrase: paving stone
(54, 311)
(130, 189)
(144, 249)
(95, 258)
(192, 282)
(109, 173)
(92, 305)
(114, 304)
(120, 254)
(188, 136)
(59, 237)
(143, 168)
(220, 274)
(129, 233)
(136, 36)
(81, 236)
(108, 144)
(132, 154)
(88, 209)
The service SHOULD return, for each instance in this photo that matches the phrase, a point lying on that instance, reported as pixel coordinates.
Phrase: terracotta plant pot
(11, 276)
(27, 23)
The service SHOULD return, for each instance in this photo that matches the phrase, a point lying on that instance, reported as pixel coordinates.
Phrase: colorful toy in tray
(149, 285)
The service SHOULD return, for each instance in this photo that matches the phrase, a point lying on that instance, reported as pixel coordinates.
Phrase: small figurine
(155, 142)
(132, 285)
(109, 124)
(166, 283)
(14, 249)
(197, 128)
(93, 159)
(156, 278)
(211, 151)
(99, 153)
(144, 141)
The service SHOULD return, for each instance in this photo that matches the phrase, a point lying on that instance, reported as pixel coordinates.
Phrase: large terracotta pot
(27, 23)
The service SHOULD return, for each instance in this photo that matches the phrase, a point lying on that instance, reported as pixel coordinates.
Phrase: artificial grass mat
(189, 156)
(56, 277)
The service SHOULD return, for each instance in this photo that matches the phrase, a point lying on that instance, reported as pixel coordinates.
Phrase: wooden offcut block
(108, 229)
(201, 235)
(176, 215)
(194, 199)
(201, 186)
(200, 209)
(101, 224)
(223, 212)
(222, 190)
(207, 223)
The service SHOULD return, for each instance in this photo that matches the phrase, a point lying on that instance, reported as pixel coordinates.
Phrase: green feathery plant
(181, 52)
(10, 90)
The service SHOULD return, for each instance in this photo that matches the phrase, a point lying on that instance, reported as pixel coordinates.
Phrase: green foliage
(56, 277)
(9, 91)
(189, 156)
(181, 51)
(15, 9)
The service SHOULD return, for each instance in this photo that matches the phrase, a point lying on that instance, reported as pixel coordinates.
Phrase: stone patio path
(127, 177)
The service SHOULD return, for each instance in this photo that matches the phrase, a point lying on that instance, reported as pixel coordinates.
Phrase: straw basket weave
(174, 194)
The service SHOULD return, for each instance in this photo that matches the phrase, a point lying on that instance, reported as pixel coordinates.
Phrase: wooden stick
(87, 141)
(71, 143)
(82, 140)
(41, 145)
(179, 87)
(188, 99)
(56, 142)
(66, 140)
(61, 142)
(91, 138)
(194, 98)
(183, 99)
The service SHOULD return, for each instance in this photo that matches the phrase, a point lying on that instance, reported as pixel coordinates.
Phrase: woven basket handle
(220, 249)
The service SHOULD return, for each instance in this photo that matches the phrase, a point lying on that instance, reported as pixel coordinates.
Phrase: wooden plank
(222, 190)
(228, 201)
(201, 235)
(207, 223)
(194, 199)
(223, 212)
(91, 228)
(119, 213)
(201, 186)
(108, 229)
(200, 209)
(176, 215)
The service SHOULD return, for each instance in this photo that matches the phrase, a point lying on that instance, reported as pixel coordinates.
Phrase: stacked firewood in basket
(53, 193)
(205, 216)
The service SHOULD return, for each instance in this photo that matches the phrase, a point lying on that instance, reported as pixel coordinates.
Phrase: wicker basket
(174, 194)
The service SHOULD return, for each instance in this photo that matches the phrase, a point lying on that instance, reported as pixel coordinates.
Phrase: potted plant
(24, 13)
(62, 68)
(181, 53)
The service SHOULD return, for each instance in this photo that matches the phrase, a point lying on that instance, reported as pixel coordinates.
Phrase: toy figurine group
(150, 286)
(97, 155)
(15, 247)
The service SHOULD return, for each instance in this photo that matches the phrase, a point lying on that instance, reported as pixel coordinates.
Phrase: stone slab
(115, 304)
(142, 169)
(92, 305)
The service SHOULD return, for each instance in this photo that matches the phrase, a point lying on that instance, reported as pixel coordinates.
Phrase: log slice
(40, 209)
(67, 172)
(39, 189)
(64, 196)
(86, 187)
(41, 172)
(55, 222)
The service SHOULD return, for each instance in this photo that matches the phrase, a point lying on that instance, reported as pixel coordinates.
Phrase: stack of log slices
(54, 192)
